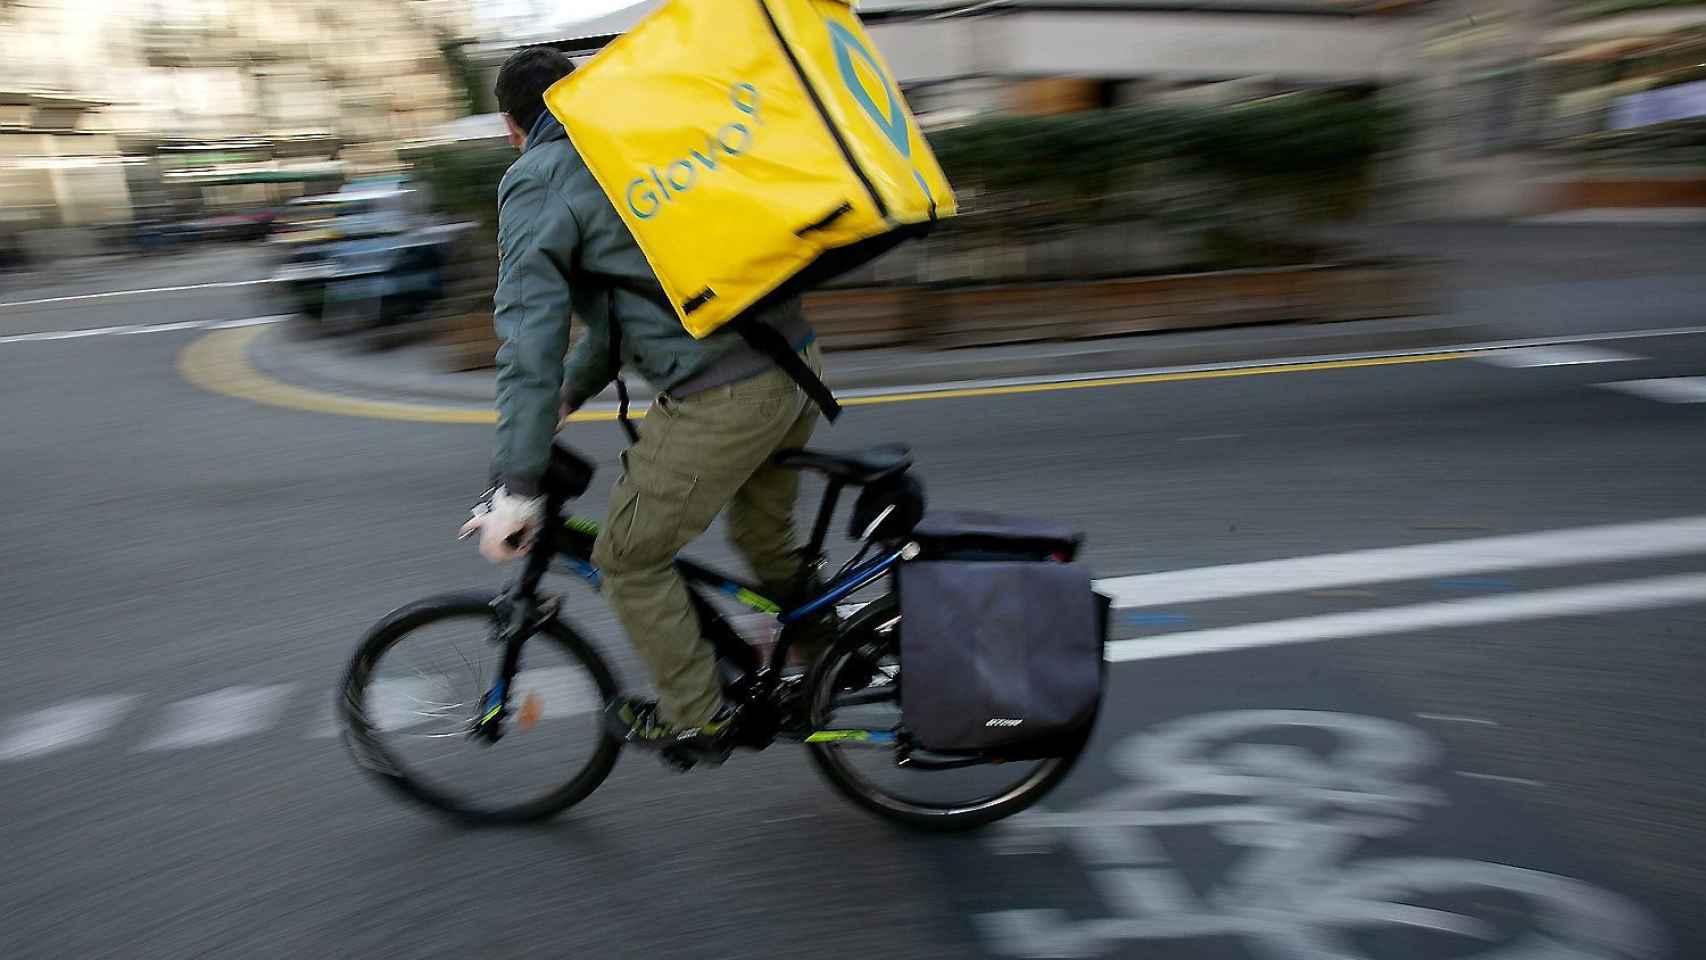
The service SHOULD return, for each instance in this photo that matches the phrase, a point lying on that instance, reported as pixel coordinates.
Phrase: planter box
(1030, 312)
(1638, 192)
(948, 317)
(864, 318)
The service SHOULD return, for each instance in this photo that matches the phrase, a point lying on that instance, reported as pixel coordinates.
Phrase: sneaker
(638, 722)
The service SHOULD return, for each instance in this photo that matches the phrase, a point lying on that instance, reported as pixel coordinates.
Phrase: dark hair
(523, 80)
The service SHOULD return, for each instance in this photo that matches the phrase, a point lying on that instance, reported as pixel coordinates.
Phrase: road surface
(1408, 666)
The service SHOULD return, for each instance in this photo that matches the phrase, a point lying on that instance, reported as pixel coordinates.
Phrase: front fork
(518, 616)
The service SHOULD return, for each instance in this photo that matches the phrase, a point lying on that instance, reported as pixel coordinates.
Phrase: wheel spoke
(471, 671)
(415, 717)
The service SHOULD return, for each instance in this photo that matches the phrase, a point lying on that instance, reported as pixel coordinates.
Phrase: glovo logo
(890, 118)
(648, 195)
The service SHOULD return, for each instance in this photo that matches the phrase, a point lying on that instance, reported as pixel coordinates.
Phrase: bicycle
(859, 671)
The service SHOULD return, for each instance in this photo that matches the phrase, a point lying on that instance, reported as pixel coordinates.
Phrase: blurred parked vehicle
(154, 231)
(365, 257)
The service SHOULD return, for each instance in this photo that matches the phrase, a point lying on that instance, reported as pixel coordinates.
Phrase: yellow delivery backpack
(754, 148)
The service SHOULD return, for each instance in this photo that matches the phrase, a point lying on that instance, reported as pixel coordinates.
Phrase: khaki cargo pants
(696, 456)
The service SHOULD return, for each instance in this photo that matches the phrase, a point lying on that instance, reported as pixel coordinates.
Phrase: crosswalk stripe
(1664, 389)
(1552, 548)
(1540, 604)
(61, 726)
(395, 703)
(219, 716)
(399, 703)
(562, 691)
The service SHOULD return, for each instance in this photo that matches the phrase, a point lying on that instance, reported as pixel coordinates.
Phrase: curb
(406, 374)
(219, 363)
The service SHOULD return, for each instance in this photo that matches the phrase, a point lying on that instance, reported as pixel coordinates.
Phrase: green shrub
(1242, 176)
(463, 178)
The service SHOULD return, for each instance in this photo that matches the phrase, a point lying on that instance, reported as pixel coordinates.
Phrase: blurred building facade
(1516, 107)
(107, 106)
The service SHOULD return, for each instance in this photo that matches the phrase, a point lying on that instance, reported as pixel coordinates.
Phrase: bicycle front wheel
(414, 692)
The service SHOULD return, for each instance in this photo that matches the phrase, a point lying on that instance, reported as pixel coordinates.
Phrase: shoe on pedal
(638, 722)
(792, 708)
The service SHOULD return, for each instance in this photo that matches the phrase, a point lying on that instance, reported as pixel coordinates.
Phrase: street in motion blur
(1363, 341)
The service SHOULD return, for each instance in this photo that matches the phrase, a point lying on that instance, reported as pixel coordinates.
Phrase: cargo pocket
(651, 518)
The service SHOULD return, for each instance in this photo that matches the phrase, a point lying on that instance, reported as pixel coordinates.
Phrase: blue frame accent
(856, 579)
(584, 570)
(859, 577)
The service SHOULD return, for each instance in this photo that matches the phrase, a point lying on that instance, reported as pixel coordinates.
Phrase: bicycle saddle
(859, 467)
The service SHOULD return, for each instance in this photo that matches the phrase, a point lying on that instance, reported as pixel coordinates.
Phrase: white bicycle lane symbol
(1295, 893)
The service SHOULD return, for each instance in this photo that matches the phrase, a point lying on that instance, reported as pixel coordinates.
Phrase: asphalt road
(1493, 749)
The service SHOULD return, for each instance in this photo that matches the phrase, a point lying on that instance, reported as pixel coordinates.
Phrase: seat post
(820, 529)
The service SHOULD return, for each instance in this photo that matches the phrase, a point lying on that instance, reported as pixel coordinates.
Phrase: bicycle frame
(521, 611)
(576, 554)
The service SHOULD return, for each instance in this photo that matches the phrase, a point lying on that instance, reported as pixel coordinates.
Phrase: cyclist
(722, 410)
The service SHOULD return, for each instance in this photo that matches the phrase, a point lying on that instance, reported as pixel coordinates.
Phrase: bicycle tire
(369, 751)
(934, 818)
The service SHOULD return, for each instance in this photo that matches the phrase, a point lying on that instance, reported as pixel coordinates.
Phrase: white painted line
(1650, 332)
(1540, 604)
(1520, 781)
(1448, 718)
(1553, 548)
(60, 334)
(77, 298)
(160, 327)
(219, 716)
(1664, 390)
(62, 726)
(249, 321)
(1562, 355)
(132, 329)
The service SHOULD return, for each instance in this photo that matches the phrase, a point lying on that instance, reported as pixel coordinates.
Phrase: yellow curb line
(219, 363)
(1250, 371)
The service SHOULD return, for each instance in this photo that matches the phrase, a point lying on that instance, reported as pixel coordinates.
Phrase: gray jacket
(557, 233)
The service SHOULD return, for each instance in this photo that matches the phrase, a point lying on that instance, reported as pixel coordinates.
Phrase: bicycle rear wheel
(415, 689)
(856, 689)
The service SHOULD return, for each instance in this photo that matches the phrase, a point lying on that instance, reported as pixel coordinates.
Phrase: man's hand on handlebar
(507, 524)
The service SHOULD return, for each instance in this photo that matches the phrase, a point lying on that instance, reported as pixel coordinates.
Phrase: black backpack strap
(639, 288)
(758, 335)
(616, 372)
(770, 342)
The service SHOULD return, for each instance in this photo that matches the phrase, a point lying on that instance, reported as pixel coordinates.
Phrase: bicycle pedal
(679, 761)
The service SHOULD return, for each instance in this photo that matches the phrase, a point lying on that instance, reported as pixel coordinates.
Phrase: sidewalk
(130, 271)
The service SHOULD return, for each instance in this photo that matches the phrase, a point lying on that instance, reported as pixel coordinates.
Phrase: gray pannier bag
(1001, 636)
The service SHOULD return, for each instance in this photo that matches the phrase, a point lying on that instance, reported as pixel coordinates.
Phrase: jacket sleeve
(589, 369)
(537, 236)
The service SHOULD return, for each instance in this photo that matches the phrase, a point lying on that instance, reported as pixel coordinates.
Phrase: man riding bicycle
(723, 409)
